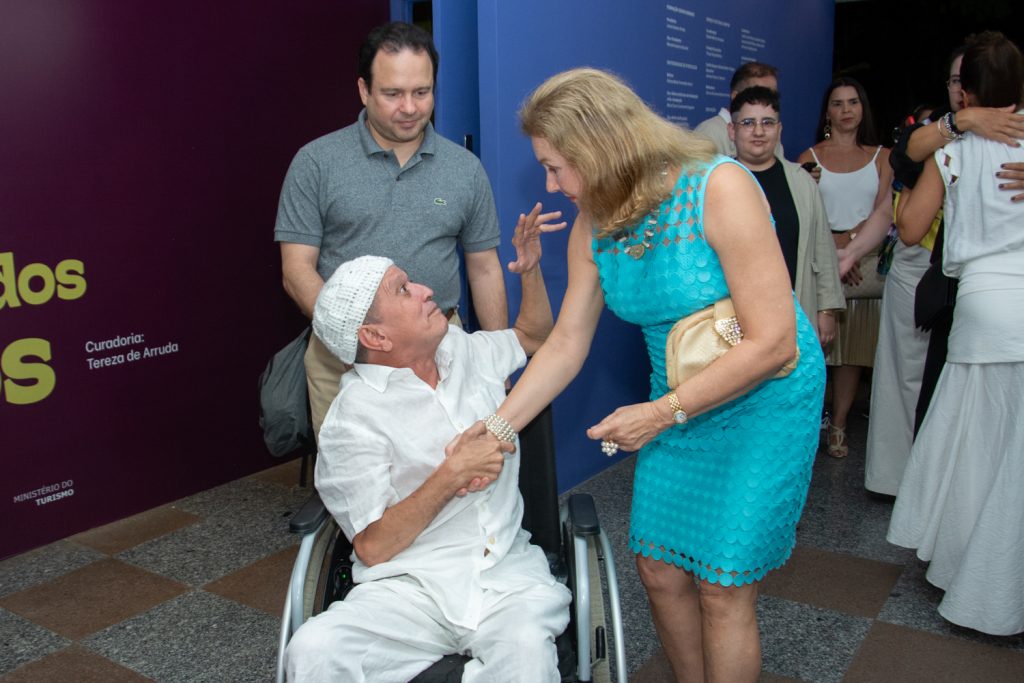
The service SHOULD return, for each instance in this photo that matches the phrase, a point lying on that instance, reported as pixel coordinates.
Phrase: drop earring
(828, 128)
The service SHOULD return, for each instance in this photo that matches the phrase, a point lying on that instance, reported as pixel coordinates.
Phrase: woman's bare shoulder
(808, 154)
(727, 177)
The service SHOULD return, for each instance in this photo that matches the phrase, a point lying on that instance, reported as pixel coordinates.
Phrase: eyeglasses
(750, 124)
(953, 82)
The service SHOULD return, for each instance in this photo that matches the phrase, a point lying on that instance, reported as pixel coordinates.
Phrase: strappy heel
(837, 447)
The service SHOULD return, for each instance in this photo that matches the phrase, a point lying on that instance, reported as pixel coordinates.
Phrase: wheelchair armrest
(310, 516)
(583, 515)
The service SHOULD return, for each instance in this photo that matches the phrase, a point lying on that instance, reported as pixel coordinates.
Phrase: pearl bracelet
(500, 428)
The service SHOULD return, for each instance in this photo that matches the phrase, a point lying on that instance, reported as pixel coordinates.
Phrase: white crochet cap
(342, 304)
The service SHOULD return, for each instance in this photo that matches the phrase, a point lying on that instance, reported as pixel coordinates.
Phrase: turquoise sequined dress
(721, 495)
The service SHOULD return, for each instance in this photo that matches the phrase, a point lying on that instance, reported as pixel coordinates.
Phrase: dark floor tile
(43, 564)
(262, 584)
(245, 498)
(74, 664)
(286, 474)
(834, 581)
(243, 521)
(657, 670)
(914, 603)
(896, 653)
(840, 515)
(212, 548)
(195, 638)
(654, 670)
(766, 677)
(131, 531)
(807, 643)
(21, 641)
(102, 593)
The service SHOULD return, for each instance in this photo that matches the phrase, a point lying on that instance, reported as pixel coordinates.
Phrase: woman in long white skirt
(899, 365)
(961, 501)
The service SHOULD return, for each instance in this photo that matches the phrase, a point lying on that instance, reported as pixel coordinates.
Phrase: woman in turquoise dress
(664, 229)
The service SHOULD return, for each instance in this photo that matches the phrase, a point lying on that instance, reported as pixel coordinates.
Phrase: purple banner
(142, 149)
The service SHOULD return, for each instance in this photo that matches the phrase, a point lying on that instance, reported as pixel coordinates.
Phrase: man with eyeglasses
(800, 221)
(716, 128)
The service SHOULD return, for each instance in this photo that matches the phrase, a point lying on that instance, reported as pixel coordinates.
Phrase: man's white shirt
(385, 433)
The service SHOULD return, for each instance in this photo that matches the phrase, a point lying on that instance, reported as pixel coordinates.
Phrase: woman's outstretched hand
(631, 427)
(526, 239)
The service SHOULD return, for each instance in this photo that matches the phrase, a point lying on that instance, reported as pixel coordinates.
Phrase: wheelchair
(569, 533)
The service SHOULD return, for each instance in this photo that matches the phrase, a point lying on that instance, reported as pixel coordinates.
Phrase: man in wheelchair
(426, 492)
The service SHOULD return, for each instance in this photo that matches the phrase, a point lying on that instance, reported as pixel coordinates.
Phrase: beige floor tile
(898, 653)
(834, 581)
(132, 531)
(91, 598)
(262, 584)
(74, 664)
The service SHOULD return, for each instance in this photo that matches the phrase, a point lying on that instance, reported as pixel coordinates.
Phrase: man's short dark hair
(393, 38)
(752, 70)
(756, 94)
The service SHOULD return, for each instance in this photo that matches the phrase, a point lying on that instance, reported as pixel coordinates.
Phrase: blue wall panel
(679, 57)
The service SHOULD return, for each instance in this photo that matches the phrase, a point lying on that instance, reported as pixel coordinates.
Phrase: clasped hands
(475, 458)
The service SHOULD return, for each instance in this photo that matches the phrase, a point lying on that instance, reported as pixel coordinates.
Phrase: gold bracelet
(679, 415)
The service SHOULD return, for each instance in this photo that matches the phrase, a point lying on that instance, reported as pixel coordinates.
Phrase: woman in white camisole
(855, 184)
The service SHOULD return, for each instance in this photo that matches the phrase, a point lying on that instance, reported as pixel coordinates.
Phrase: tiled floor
(193, 592)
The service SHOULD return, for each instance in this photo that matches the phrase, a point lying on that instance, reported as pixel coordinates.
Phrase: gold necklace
(638, 250)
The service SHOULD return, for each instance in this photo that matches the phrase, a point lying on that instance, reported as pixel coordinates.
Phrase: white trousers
(388, 631)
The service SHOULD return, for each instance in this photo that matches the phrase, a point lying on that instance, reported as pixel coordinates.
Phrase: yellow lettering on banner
(25, 376)
(37, 283)
(70, 279)
(42, 295)
(8, 283)
(14, 368)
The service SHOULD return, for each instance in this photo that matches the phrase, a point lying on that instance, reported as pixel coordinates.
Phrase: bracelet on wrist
(947, 129)
(500, 428)
(679, 415)
(952, 125)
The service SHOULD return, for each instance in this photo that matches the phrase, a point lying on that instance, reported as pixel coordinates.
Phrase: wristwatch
(678, 414)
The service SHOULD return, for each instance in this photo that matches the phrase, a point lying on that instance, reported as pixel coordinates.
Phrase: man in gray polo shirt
(389, 185)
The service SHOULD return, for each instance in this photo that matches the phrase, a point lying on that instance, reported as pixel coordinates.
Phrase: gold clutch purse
(698, 339)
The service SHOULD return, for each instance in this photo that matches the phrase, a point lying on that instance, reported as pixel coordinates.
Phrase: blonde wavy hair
(612, 139)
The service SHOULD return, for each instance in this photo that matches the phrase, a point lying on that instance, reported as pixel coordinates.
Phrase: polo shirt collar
(370, 146)
(725, 115)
